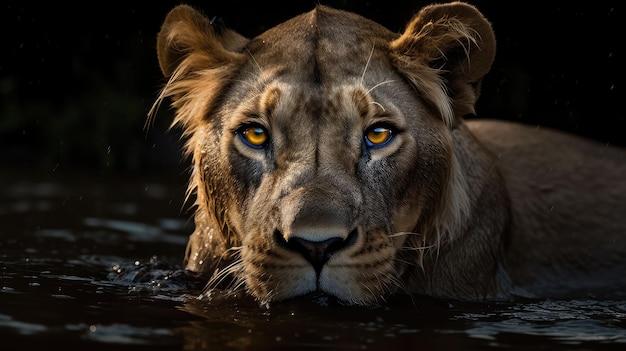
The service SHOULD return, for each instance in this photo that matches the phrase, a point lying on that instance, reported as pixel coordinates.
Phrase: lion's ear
(198, 57)
(445, 52)
(187, 36)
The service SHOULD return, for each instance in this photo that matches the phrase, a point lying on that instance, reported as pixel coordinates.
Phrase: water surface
(93, 262)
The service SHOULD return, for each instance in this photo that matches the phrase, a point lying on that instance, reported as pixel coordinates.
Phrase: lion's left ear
(445, 51)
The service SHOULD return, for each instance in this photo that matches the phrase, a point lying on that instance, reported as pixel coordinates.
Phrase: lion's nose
(317, 252)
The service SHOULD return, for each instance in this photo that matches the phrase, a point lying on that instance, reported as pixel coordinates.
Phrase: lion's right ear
(198, 57)
(188, 38)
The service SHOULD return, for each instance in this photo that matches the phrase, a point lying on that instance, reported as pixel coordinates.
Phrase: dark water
(90, 262)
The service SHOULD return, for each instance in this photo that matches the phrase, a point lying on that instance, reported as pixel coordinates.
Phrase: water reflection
(88, 263)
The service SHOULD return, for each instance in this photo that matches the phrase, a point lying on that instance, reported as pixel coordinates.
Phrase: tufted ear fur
(198, 56)
(445, 51)
(187, 34)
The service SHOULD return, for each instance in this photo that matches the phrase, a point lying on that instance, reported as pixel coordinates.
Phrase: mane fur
(450, 214)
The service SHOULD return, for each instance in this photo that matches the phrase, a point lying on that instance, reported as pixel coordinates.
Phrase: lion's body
(331, 156)
(568, 207)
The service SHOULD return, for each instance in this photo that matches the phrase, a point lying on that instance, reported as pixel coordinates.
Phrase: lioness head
(322, 149)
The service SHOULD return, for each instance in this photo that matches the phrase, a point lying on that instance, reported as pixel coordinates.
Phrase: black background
(77, 79)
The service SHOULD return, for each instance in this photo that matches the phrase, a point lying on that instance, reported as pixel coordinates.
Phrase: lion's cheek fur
(218, 197)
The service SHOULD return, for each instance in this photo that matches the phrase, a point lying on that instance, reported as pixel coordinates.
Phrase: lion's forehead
(316, 101)
(323, 46)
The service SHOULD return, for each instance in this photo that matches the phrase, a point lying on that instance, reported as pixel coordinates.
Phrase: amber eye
(378, 136)
(253, 136)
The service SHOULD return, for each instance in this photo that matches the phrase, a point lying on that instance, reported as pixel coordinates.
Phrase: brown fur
(447, 208)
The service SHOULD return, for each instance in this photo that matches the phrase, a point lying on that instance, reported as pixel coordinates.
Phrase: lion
(331, 156)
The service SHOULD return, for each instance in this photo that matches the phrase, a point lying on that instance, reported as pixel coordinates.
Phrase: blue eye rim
(393, 132)
(242, 131)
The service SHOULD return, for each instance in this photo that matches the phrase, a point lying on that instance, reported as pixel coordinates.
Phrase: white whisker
(236, 286)
(394, 235)
(421, 248)
(219, 276)
(369, 289)
(395, 283)
(379, 84)
(254, 59)
(379, 105)
(367, 64)
(232, 270)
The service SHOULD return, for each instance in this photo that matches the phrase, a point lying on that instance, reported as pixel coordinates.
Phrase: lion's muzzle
(317, 252)
(319, 218)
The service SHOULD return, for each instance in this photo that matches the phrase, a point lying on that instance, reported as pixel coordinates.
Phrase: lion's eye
(378, 136)
(254, 136)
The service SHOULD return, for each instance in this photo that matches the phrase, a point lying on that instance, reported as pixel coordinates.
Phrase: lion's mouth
(316, 252)
(354, 268)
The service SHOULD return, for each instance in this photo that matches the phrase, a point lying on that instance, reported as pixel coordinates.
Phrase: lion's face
(323, 160)
(323, 182)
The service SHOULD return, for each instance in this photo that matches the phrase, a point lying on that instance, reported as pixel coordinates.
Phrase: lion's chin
(329, 285)
(324, 297)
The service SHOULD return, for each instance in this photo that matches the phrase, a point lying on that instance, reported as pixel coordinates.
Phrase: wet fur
(451, 208)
